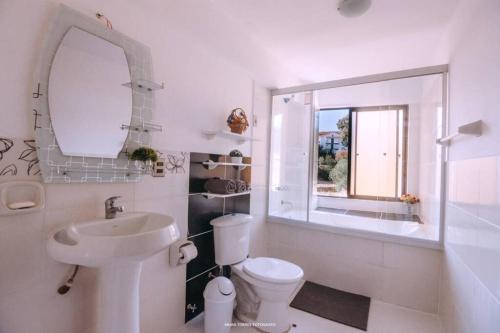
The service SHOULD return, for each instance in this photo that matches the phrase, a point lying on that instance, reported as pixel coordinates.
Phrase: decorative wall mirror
(92, 101)
(84, 66)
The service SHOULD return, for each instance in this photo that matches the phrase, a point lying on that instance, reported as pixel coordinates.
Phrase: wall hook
(103, 17)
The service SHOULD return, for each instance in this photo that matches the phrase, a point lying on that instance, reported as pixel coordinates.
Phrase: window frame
(350, 176)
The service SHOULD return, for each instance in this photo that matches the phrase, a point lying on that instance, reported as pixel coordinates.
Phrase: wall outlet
(159, 168)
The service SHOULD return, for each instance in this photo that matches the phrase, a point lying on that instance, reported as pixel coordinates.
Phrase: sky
(328, 119)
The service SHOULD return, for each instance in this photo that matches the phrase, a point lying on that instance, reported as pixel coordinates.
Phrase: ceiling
(314, 41)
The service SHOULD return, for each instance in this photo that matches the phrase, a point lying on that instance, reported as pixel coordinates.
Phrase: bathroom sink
(116, 247)
(128, 237)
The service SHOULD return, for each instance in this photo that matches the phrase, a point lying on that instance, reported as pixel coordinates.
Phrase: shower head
(288, 99)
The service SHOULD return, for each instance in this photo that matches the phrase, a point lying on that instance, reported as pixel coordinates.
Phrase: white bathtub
(367, 225)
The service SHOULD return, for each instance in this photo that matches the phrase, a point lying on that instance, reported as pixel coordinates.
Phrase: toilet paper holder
(182, 252)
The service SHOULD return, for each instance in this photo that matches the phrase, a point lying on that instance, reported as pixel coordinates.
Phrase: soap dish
(21, 197)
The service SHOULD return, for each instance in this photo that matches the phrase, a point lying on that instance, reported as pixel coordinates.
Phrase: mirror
(86, 95)
(88, 101)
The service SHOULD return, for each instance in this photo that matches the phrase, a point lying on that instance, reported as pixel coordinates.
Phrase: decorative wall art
(175, 163)
(18, 157)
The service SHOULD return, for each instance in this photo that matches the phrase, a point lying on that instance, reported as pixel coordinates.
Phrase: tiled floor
(384, 318)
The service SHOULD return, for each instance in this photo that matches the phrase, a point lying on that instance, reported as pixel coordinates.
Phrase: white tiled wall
(205, 74)
(29, 277)
(260, 163)
(470, 299)
(471, 282)
(398, 274)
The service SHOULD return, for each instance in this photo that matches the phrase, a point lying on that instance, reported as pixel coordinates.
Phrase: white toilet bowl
(273, 282)
(264, 286)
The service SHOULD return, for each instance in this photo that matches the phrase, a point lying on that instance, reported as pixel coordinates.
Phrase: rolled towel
(220, 186)
(241, 186)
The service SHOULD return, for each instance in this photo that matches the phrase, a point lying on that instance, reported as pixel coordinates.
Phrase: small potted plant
(409, 200)
(236, 156)
(145, 155)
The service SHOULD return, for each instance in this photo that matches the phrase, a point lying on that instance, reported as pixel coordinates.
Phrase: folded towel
(241, 186)
(220, 186)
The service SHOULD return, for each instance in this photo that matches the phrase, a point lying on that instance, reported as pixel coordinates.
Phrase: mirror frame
(58, 168)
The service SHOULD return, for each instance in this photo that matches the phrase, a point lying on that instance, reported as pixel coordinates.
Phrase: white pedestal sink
(116, 247)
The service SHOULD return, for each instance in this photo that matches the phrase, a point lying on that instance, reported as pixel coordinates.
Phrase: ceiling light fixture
(353, 8)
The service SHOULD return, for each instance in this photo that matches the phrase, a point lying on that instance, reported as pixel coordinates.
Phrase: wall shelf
(212, 165)
(239, 138)
(145, 126)
(65, 171)
(145, 85)
(209, 195)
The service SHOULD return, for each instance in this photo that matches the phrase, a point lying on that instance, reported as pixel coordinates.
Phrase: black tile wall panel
(206, 257)
(194, 294)
(201, 211)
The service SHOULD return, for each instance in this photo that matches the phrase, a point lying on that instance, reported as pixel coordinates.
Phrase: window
(332, 165)
(361, 152)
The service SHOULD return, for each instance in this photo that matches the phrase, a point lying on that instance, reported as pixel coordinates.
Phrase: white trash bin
(219, 297)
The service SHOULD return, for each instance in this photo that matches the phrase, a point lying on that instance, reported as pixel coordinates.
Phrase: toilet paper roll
(187, 253)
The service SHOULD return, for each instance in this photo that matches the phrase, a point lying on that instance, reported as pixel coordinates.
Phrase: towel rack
(475, 128)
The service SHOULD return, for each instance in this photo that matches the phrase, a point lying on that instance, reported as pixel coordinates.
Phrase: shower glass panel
(289, 167)
(344, 156)
(388, 149)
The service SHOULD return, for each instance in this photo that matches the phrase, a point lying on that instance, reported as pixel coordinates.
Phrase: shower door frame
(442, 70)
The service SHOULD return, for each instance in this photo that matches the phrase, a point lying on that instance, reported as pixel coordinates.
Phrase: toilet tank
(231, 238)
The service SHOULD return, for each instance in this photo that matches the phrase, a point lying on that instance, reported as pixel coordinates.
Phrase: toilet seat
(272, 270)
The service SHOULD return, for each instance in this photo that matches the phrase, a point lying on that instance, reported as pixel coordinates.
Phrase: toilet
(264, 286)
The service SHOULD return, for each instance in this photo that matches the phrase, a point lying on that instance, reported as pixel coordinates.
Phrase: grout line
(472, 215)
(470, 271)
(198, 275)
(402, 307)
(201, 233)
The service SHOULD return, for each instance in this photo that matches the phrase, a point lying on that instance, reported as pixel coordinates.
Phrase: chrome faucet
(111, 209)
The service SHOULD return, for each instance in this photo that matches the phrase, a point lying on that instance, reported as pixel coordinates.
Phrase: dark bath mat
(340, 306)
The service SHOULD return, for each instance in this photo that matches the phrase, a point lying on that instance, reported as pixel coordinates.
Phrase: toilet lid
(273, 270)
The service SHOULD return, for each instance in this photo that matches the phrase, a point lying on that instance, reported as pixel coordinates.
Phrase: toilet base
(280, 321)
(264, 303)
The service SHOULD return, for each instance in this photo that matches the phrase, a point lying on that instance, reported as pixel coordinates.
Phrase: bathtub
(365, 226)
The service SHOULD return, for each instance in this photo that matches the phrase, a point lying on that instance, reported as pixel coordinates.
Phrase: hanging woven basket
(237, 121)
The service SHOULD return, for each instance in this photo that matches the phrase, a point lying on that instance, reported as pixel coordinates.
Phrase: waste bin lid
(219, 289)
